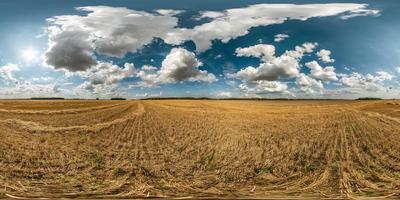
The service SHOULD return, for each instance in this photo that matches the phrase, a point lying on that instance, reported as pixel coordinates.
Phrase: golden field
(199, 148)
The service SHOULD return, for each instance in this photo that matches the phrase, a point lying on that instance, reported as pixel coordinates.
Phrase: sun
(29, 54)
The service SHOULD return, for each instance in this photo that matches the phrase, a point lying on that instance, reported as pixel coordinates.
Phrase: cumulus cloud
(224, 94)
(57, 89)
(27, 89)
(325, 56)
(324, 74)
(142, 95)
(360, 12)
(74, 41)
(71, 50)
(210, 14)
(105, 75)
(111, 31)
(264, 51)
(273, 68)
(308, 84)
(280, 37)
(179, 65)
(398, 70)
(43, 79)
(169, 12)
(383, 76)
(232, 23)
(367, 82)
(22, 88)
(148, 68)
(7, 73)
(268, 76)
(264, 87)
(114, 31)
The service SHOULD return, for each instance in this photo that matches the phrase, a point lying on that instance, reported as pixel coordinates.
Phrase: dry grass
(199, 148)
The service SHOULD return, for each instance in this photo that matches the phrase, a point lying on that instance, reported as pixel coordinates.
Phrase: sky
(218, 49)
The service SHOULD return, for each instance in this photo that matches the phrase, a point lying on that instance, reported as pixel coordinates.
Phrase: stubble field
(199, 148)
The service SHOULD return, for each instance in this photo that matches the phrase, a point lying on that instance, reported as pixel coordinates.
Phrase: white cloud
(27, 89)
(308, 84)
(210, 14)
(43, 79)
(324, 55)
(6, 73)
(57, 89)
(141, 95)
(232, 23)
(383, 76)
(369, 82)
(142, 84)
(353, 80)
(264, 51)
(169, 12)
(273, 68)
(398, 70)
(324, 74)
(114, 31)
(179, 65)
(264, 87)
(224, 94)
(21, 87)
(280, 37)
(74, 40)
(148, 68)
(104, 76)
(111, 31)
(267, 77)
(360, 13)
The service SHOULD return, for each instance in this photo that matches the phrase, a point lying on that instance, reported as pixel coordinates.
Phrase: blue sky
(132, 49)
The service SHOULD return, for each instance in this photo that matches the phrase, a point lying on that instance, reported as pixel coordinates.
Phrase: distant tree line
(118, 98)
(47, 98)
(369, 98)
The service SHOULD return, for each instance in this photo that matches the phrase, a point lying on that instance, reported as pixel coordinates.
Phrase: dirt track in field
(200, 148)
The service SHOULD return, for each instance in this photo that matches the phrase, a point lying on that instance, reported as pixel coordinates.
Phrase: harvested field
(200, 148)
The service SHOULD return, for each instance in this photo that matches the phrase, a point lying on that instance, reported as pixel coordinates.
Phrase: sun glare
(29, 54)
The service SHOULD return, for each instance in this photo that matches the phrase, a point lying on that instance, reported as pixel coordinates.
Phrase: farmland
(199, 148)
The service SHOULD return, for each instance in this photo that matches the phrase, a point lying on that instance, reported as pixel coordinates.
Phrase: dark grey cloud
(71, 51)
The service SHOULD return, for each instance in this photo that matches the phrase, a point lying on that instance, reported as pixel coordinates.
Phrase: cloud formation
(111, 31)
(83, 44)
(272, 68)
(106, 75)
(280, 37)
(360, 13)
(264, 87)
(6, 73)
(309, 85)
(359, 82)
(19, 87)
(178, 66)
(115, 31)
(223, 94)
(169, 12)
(71, 50)
(325, 56)
(264, 51)
(232, 23)
(324, 74)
